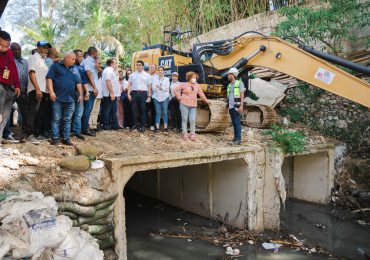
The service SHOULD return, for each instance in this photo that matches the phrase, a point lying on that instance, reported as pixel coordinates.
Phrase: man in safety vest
(235, 98)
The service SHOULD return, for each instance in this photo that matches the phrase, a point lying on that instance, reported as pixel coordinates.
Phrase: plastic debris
(271, 246)
(231, 251)
(320, 226)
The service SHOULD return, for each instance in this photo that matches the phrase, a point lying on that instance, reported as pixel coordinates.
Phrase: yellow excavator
(212, 60)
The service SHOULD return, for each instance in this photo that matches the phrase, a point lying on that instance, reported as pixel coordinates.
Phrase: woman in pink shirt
(187, 94)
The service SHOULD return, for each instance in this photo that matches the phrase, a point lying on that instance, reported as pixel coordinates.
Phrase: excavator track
(259, 116)
(213, 117)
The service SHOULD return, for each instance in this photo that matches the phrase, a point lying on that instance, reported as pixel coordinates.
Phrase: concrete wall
(216, 190)
(309, 177)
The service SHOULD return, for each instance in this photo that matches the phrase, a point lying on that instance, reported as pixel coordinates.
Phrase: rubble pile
(14, 165)
(31, 227)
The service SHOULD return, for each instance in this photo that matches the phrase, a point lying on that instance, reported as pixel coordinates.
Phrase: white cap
(233, 71)
(175, 73)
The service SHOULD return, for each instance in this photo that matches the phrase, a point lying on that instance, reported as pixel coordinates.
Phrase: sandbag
(104, 236)
(99, 229)
(71, 215)
(87, 196)
(91, 251)
(103, 221)
(98, 215)
(88, 150)
(107, 243)
(104, 205)
(70, 247)
(75, 163)
(86, 211)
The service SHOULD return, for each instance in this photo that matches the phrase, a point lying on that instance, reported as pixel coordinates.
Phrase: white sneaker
(152, 128)
(33, 139)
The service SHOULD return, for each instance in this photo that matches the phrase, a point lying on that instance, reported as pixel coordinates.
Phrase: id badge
(6, 74)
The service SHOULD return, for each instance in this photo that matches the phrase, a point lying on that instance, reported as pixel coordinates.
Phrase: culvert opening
(181, 200)
(308, 177)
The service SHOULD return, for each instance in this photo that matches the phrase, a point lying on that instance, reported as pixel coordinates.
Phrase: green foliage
(291, 141)
(328, 24)
(295, 115)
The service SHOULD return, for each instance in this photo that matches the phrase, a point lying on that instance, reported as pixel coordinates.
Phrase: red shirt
(7, 60)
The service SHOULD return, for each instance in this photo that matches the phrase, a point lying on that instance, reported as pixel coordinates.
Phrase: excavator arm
(277, 54)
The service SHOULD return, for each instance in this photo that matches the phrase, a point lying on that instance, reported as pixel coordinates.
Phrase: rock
(32, 161)
(88, 150)
(11, 164)
(76, 163)
(342, 124)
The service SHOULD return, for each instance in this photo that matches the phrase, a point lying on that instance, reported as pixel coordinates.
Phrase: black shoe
(79, 136)
(67, 142)
(134, 128)
(142, 130)
(156, 130)
(89, 133)
(235, 142)
(165, 129)
(54, 141)
(179, 130)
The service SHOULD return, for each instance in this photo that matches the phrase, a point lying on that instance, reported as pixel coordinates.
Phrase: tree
(329, 24)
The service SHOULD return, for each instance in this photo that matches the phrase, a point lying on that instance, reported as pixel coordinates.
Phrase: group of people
(76, 96)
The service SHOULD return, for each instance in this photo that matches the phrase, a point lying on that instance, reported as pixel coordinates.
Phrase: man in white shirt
(111, 93)
(92, 77)
(38, 114)
(139, 93)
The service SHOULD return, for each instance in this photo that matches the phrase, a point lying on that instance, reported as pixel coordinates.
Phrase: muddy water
(330, 228)
(145, 216)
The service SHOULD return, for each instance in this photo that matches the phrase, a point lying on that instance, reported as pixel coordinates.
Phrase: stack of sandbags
(89, 203)
(30, 226)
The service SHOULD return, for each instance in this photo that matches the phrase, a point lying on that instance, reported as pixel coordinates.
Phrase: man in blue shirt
(62, 82)
(79, 106)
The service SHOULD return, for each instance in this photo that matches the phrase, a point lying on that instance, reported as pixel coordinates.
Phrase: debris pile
(31, 227)
(14, 165)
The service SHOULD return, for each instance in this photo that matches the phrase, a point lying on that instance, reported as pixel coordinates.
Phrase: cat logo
(168, 63)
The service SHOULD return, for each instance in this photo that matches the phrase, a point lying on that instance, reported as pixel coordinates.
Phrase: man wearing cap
(38, 115)
(9, 80)
(235, 98)
(174, 103)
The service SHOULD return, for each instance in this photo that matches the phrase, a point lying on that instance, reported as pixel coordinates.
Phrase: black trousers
(139, 107)
(175, 113)
(127, 113)
(22, 106)
(38, 114)
(150, 114)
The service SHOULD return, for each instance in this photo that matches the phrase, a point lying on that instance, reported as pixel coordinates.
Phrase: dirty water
(328, 227)
(145, 216)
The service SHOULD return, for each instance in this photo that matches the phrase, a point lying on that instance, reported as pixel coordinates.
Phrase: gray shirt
(231, 95)
(22, 68)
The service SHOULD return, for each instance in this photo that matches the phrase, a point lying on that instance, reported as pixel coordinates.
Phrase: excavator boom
(277, 54)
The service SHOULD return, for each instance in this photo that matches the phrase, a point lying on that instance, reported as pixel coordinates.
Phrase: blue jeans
(161, 108)
(235, 119)
(109, 113)
(88, 106)
(62, 114)
(188, 113)
(77, 117)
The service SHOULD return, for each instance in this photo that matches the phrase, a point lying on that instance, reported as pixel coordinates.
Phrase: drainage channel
(146, 216)
(328, 227)
(237, 186)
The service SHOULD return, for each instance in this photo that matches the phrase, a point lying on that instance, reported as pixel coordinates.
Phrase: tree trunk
(39, 2)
